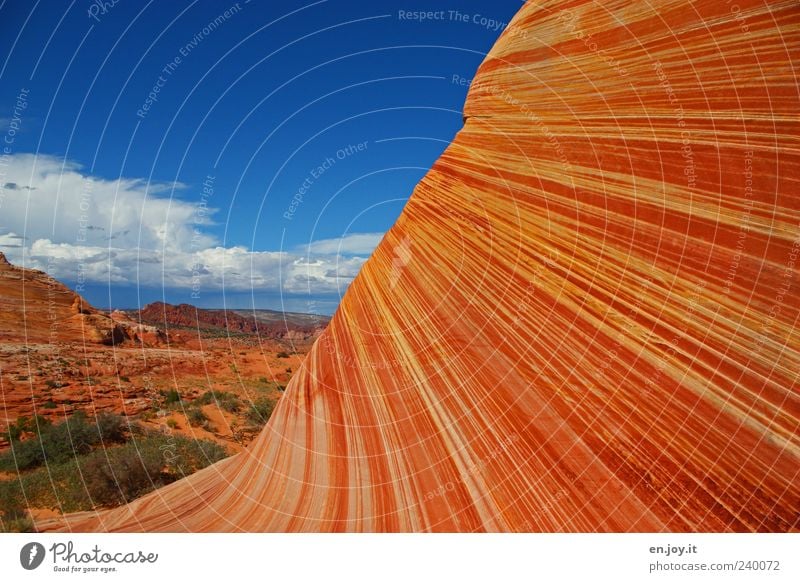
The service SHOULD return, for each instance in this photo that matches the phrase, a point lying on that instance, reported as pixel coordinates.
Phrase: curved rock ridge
(583, 320)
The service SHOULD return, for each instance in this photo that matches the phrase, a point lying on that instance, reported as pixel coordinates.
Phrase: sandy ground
(55, 380)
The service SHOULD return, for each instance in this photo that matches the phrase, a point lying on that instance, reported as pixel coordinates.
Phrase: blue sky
(221, 153)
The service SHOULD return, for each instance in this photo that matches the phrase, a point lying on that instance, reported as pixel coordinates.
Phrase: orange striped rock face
(584, 319)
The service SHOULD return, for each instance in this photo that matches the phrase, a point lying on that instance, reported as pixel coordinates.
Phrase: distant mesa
(264, 323)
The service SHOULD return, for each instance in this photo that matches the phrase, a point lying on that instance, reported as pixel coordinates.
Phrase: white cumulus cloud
(57, 217)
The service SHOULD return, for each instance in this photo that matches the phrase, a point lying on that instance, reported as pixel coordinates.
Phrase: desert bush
(171, 396)
(13, 516)
(172, 423)
(106, 477)
(119, 475)
(19, 525)
(57, 443)
(26, 424)
(65, 440)
(224, 400)
(231, 405)
(112, 428)
(11, 500)
(282, 355)
(259, 411)
(190, 455)
(196, 416)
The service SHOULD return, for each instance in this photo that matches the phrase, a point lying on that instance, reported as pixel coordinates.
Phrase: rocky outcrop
(39, 309)
(583, 320)
(279, 325)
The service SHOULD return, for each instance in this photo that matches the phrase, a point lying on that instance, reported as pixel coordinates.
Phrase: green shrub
(191, 454)
(23, 455)
(172, 423)
(74, 436)
(106, 477)
(26, 424)
(231, 406)
(196, 416)
(119, 475)
(13, 516)
(224, 400)
(171, 396)
(259, 411)
(112, 428)
(124, 379)
(11, 499)
(18, 525)
(57, 443)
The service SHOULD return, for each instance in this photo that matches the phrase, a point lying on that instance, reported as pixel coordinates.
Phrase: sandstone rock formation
(35, 308)
(584, 319)
(264, 323)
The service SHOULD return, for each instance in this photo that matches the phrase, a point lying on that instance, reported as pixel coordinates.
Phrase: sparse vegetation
(56, 443)
(100, 476)
(119, 475)
(172, 423)
(171, 396)
(282, 355)
(22, 524)
(259, 411)
(196, 416)
(225, 400)
(25, 425)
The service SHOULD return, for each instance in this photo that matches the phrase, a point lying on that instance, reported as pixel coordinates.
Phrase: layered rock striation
(36, 308)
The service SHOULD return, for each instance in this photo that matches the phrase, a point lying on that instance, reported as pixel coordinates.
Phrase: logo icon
(402, 256)
(31, 555)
